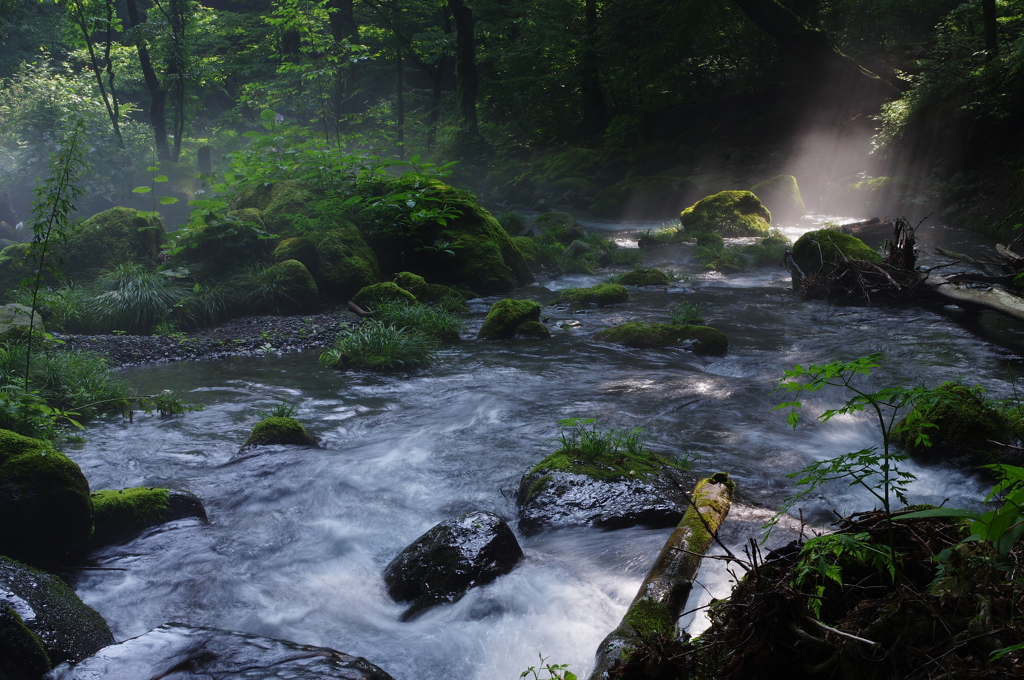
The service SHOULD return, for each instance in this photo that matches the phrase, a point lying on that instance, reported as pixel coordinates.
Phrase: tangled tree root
(920, 625)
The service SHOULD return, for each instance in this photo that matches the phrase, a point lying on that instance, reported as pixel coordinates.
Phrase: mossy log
(662, 596)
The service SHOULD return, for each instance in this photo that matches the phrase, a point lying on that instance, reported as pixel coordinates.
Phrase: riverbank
(243, 336)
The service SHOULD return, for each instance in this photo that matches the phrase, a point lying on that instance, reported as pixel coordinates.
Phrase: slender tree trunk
(157, 94)
(401, 105)
(107, 92)
(344, 29)
(988, 9)
(466, 80)
(595, 112)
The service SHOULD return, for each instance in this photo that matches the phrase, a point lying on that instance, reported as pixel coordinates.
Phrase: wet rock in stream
(452, 557)
(185, 653)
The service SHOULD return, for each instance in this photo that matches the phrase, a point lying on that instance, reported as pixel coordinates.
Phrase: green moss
(602, 294)
(731, 213)
(616, 464)
(299, 291)
(533, 330)
(414, 283)
(298, 248)
(965, 427)
(699, 339)
(380, 292)
(447, 297)
(781, 195)
(645, 277)
(648, 617)
(119, 515)
(825, 248)
(22, 654)
(485, 258)
(111, 237)
(535, 256)
(276, 430)
(505, 316)
(44, 501)
(660, 237)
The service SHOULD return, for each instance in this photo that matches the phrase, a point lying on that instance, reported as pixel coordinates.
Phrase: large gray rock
(557, 498)
(454, 556)
(68, 629)
(16, 319)
(177, 652)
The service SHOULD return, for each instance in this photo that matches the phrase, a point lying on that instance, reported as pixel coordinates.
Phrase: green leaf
(267, 114)
(141, 190)
(160, 178)
(153, 168)
(168, 200)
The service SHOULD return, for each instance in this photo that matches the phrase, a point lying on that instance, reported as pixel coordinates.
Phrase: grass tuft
(377, 346)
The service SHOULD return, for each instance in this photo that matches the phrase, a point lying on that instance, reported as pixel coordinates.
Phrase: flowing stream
(298, 538)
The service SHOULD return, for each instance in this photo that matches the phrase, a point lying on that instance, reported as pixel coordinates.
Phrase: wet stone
(183, 652)
(550, 499)
(441, 565)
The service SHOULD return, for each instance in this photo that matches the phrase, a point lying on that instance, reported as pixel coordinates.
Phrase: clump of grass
(130, 298)
(688, 313)
(283, 409)
(207, 305)
(436, 322)
(378, 346)
(262, 290)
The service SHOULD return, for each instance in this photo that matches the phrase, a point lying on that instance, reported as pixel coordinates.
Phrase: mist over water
(298, 537)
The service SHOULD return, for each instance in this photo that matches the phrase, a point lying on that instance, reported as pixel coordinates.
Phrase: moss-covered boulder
(66, 628)
(277, 430)
(533, 330)
(561, 226)
(730, 213)
(111, 237)
(22, 654)
(431, 293)
(16, 320)
(612, 490)
(14, 266)
(781, 195)
(965, 430)
(645, 198)
(645, 277)
(505, 316)
(536, 257)
(414, 283)
(470, 250)
(45, 509)
(697, 339)
(122, 514)
(237, 239)
(441, 565)
(299, 248)
(294, 290)
(292, 209)
(388, 291)
(825, 248)
(602, 294)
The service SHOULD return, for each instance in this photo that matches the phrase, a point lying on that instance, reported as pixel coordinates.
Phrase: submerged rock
(122, 514)
(454, 556)
(506, 316)
(533, 330)
(177, 651)
(645, 277)
(697, 339)
(611, 494)
(276, 430)
(45, 510)
(67, 629)
(730, 213)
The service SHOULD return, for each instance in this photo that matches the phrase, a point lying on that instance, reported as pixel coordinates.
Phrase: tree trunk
(662, 596)
(401, 106)
(988, 9)
(110, 102)
(466, 81)
(344, 29)
(157, 94)
(595, 112)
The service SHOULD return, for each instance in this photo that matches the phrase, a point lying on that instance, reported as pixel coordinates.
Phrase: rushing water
(298, 537)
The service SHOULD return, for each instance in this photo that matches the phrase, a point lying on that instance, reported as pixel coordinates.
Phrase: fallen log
(662, 596)
(992, 297)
